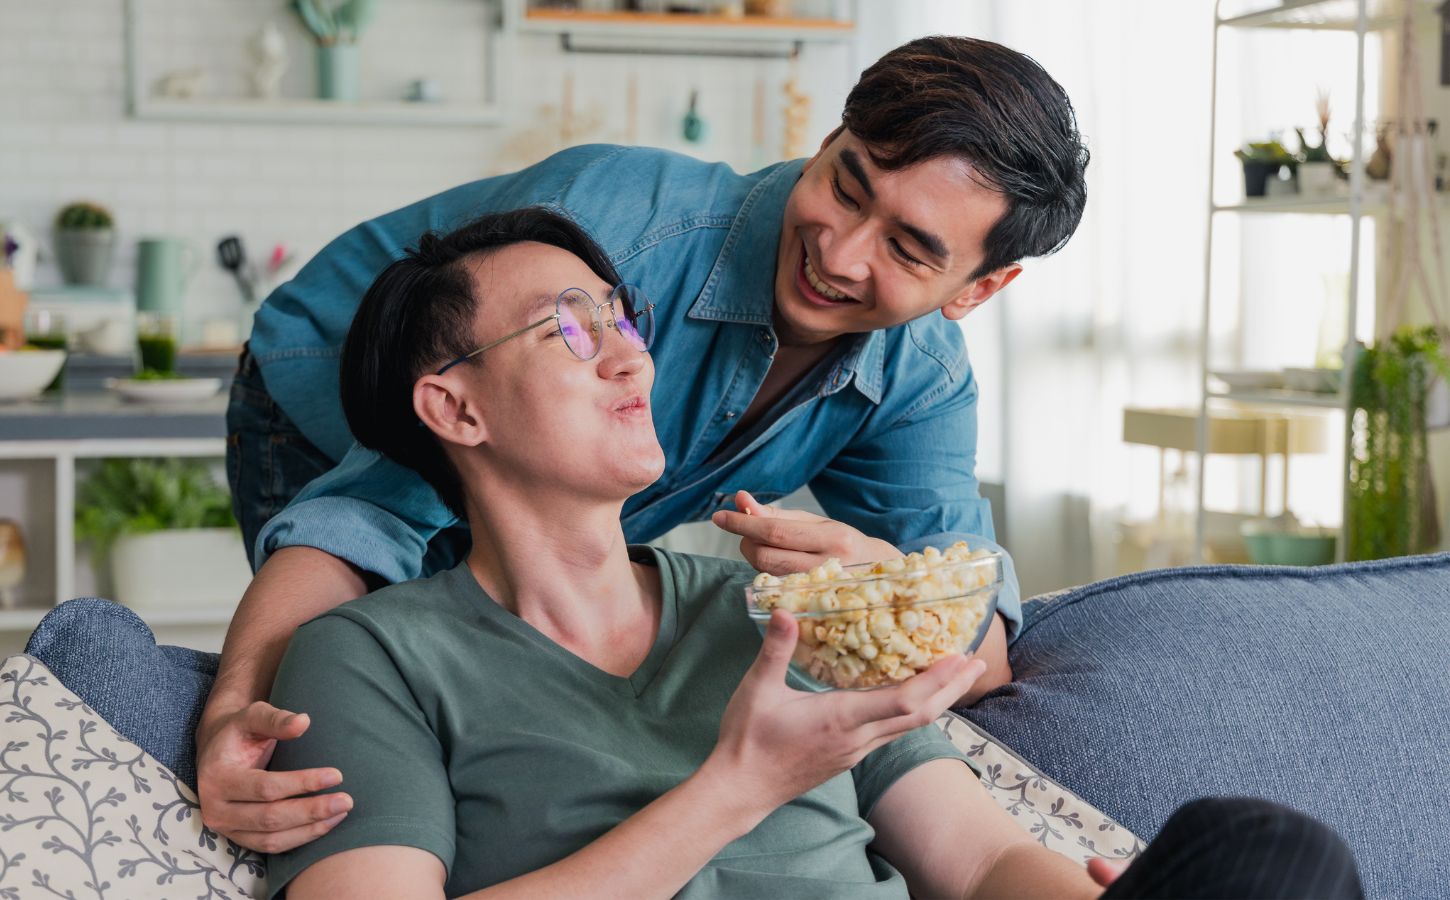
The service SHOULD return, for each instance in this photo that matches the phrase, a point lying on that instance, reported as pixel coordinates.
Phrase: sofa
(1326, 689)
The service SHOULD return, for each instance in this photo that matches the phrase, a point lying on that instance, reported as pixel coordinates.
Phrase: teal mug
(164, 267)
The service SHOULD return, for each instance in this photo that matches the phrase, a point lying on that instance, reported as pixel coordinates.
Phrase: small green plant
(140, 496)
(340, 24)
(83, 216)
(157, 375)
(1388, 470)
(1312, 154)
(1269, 152)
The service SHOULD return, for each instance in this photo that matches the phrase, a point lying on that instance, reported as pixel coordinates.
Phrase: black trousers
(1244, 849)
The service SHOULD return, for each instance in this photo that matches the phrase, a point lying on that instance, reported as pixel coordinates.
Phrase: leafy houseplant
(84, 243)
(166, 529)
(336, 30)
(1391, 502)
(1261, 159)
(141, 496)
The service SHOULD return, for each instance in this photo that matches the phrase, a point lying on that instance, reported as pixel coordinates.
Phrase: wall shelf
(315, 112)
(685, 26)
(1324, 15)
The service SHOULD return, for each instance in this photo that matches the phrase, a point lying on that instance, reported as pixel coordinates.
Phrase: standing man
(806, 335)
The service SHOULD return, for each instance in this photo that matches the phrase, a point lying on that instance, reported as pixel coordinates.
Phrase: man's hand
(781, 541)
(240, 799)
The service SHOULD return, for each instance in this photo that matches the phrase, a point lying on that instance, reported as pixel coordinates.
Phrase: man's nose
(845, 252)
(617, 355)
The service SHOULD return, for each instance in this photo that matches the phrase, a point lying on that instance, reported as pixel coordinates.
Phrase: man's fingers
(778, 531)
(261, 786)
(919, 700)
(746, 503)
(279, 817)
(777, 561)
(262, 719)
(1104, 872)
(775, 652)
(282, 841)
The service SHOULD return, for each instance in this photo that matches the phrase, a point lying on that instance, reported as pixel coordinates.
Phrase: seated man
(566, 715)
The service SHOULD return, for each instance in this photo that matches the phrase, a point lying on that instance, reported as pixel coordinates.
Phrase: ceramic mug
(164, 266)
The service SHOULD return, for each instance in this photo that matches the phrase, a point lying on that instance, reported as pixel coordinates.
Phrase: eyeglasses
(582, 327)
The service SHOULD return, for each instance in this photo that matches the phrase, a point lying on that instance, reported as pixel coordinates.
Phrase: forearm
(1028, 870)
(296, 584)
(993, 651)
(654, 852)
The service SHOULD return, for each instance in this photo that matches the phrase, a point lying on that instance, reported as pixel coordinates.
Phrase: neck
(559, 563)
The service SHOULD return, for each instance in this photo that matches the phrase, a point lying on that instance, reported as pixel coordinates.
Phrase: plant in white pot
(1318, 172)
(336, 28)
(166, 528)
(85, 241)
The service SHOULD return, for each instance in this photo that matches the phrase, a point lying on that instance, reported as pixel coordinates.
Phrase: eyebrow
(538, 304)
(933, 244)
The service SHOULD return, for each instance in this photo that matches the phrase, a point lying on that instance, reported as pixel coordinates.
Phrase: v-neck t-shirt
(462, 730)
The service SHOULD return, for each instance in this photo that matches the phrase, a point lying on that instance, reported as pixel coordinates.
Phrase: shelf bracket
(566, 43)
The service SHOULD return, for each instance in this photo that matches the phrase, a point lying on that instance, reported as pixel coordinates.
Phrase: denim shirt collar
(743, 291)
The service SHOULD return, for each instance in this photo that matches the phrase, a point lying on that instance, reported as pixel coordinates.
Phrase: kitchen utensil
(233, 257)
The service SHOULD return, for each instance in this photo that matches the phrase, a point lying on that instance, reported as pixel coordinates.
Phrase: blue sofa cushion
(151, 694)
(1325, 689)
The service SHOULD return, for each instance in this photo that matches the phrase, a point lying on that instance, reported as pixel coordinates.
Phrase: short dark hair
(417, 315)
(993, 107)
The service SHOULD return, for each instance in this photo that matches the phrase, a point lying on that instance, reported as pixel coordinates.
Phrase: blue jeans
(268, 459)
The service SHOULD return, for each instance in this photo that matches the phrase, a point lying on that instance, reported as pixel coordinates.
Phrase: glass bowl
(878, 624)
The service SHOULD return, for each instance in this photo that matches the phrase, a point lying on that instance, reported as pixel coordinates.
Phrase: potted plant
(336, 30)
(166, 528)
(1317, 170)
(84, 243)
(1262, 159)
(1391, 506)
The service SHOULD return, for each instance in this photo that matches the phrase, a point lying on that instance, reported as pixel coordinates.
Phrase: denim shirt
(884, 431)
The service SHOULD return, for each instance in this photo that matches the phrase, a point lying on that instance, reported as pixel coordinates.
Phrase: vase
(84, 254)
(1317, 179)
(337, 72)
(183, 568)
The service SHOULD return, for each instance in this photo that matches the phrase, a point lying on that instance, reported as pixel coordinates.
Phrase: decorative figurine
(268, 51)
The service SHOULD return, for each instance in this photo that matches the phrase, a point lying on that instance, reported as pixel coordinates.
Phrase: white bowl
(25, 373)
(175, 390)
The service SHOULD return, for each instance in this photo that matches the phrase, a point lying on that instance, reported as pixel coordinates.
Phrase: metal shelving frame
(1361, 17)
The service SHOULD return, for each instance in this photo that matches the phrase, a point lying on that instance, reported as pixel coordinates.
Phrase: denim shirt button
(730, 414)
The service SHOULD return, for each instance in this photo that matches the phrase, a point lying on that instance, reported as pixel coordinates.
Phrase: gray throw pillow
(1325, 689)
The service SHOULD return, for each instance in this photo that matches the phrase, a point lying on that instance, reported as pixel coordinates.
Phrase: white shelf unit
(1360, 17)
(305, 111)
(63, 456)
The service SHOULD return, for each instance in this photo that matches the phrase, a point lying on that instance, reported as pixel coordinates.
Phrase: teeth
(824, 289)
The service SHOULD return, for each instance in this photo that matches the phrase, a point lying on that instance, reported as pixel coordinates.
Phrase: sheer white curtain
(1112, 320)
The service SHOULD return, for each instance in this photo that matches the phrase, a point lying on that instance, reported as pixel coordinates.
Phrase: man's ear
(441, 404)
(980, 291)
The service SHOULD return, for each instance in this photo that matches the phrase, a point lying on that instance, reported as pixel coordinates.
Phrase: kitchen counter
(104, 415)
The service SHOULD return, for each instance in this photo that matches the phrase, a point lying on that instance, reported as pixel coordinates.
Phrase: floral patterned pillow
(1059, 819)
(86, 813)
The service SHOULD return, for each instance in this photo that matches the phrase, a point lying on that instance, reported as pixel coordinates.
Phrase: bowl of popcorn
(878, 624)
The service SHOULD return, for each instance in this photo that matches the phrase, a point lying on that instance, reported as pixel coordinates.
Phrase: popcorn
(879, 625)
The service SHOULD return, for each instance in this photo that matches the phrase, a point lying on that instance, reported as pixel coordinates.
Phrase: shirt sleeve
(367, 724)
(368, 510)
(914, 484)
(881, 768)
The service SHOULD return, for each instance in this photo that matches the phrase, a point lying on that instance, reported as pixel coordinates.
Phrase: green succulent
(88, 216)
(1271, 152)
(1312, 154)
(139, 496)
(340, 24)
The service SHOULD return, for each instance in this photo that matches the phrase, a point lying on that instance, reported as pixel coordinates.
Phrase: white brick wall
(64, 134)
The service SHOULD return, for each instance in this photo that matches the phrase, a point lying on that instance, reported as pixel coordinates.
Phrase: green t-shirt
(462, 730)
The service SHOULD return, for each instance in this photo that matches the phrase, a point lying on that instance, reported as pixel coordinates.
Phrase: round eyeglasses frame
(612, 321)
